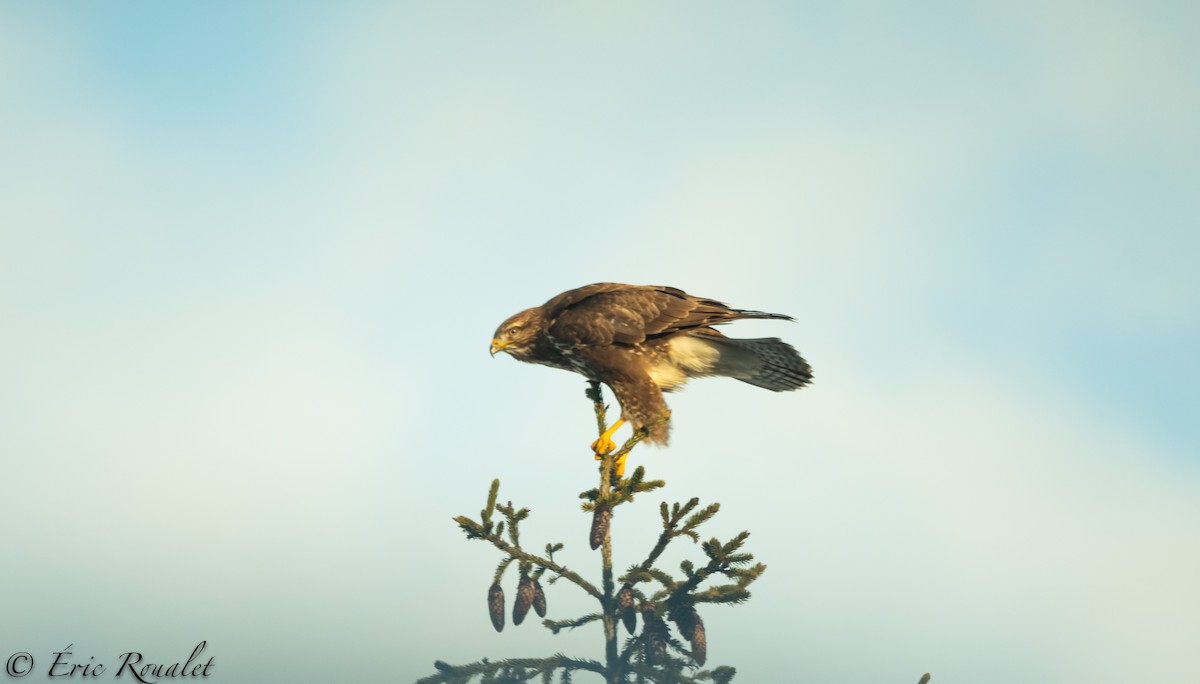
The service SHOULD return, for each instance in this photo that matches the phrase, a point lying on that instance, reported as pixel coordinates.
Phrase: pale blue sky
(250, 259)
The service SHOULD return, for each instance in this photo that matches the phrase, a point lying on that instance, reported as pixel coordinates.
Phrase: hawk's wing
(612, 313)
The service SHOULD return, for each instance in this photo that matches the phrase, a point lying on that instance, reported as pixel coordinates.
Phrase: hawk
(642, 341)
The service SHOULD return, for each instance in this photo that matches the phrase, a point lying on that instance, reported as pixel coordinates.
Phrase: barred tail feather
(767, 362)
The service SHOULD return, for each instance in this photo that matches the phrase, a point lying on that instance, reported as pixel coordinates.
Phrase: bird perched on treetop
(642, 341)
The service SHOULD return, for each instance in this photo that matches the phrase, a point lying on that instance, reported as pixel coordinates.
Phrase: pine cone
(601, 518)
(691, 627)
(524, 599)
(699, 642)
(684, 616)
(625, 606)
(539, 599)
(496, 605)
(655, 634)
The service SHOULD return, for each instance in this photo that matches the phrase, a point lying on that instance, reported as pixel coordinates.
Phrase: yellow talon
(605, 444)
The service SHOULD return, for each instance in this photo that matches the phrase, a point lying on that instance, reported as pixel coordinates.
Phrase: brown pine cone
(601, 518)
(699, 642)
(496, 605)
(691, 627)
(684, 617)
(524, 599)
(625, 606)
(539, 599)
(656, 635)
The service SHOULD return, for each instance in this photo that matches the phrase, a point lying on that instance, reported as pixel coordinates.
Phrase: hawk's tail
(767, 362)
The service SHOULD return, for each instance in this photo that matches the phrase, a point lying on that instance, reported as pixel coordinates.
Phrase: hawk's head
(518, 335)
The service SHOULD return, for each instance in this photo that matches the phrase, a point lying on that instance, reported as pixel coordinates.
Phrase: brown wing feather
(559, 302)
(611, 313)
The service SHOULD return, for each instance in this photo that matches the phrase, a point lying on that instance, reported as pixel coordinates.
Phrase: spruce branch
(652, 655)
(501, 568)
(509, 670)
(492, 533)
(559, 570)
(557, 626)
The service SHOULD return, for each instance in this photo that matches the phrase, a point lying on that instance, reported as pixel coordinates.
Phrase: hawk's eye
(514, 330)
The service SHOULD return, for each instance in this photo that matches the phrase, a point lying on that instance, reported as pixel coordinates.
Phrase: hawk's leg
(605, 443)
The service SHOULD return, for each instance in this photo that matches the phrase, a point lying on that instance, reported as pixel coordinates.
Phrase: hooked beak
(497, 345)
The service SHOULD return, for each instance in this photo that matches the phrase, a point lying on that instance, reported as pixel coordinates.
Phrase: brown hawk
(642, 341)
